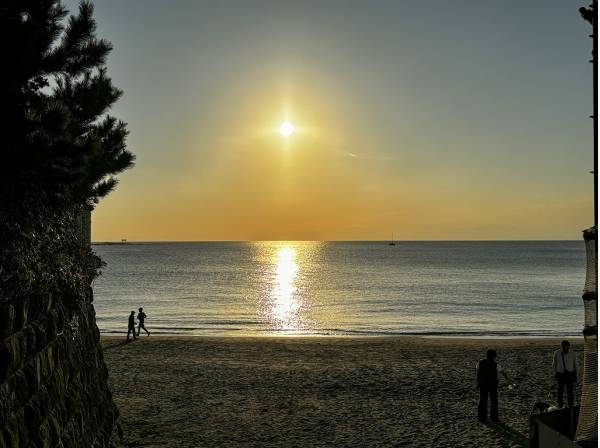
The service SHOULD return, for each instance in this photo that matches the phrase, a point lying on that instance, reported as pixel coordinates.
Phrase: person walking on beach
(487, 382)
(141, 316)
(565, 372)
(131, 326)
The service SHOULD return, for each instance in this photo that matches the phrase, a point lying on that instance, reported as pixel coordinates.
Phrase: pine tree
(59, 145)
(59, 148)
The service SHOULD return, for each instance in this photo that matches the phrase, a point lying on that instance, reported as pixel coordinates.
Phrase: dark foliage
(45, 255)
(59, 149)
(58, 144)
(587, 14)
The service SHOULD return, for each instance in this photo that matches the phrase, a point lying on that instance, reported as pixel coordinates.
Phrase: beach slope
(318, 392)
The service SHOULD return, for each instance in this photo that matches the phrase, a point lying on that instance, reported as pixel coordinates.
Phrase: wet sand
(322, 392)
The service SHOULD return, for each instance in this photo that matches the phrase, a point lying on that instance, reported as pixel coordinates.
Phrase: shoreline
(171, 336)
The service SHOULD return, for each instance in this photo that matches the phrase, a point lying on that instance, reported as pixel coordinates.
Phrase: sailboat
(391, 243)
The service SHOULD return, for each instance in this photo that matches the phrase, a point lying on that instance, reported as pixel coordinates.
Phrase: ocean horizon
(126, 241)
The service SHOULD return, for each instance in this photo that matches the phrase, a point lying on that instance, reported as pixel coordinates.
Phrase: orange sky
(327, 181)
(404, 126)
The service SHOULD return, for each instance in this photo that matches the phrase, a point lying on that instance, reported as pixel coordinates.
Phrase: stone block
(71, 401)
(19, 436)
(60, 319)
(50, 326)
(53, 429)
(40, 333)
(21, 307)
(13, 352)
(21, 390)
(33, 417)
(45, 403)
(41, 437)
(59, 382)
(42, 358)
(50, 358)
(36, 364)
(10, 434)
(30, 337)
(7, 320)
(5, 405)
(5, 359)
(32, 377)
(67, 436)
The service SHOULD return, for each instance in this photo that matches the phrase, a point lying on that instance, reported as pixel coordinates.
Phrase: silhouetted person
(565, 372)
(487, 382)
(131, 326)
(141, 316)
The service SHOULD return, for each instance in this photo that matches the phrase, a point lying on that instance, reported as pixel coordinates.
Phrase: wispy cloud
(367, 157)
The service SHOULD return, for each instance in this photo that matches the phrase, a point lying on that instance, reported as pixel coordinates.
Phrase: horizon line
(329, 241)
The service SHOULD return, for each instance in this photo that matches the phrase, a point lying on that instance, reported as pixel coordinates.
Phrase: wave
(335, 332)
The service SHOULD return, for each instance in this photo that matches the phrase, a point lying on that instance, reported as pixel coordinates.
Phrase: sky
(437, 120)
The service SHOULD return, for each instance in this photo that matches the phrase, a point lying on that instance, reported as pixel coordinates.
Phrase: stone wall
(53, 379)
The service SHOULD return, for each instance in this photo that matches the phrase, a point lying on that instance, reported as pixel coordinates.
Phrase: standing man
(131, 326)
(487, 382)
(565, 372)
(141, 316)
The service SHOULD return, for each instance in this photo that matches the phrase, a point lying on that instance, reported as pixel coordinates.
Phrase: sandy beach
(321, 392)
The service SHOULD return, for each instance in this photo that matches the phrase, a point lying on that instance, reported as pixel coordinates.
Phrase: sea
(438, 288)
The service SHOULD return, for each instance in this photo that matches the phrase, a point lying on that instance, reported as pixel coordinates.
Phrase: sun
(286, 129)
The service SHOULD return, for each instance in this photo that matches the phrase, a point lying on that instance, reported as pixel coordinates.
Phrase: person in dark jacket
(131, 326)
(487, 382)
(141, 318)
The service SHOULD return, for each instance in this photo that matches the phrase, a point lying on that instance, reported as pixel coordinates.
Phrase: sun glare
(286, 129)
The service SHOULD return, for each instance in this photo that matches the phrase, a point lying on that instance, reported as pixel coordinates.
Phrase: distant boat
(391, 243)
(123, 240)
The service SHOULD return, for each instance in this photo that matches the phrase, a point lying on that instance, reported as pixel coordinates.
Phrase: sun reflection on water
(286, 273)
(285, 306)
